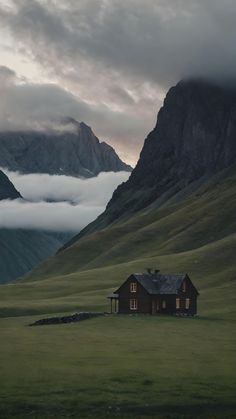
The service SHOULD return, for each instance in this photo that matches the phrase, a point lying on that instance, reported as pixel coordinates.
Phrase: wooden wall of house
(157, 304)
(141, 295)
(188, 291)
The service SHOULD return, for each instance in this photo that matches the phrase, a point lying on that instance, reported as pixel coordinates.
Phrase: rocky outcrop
(7, 189)
(194, 138)
(77, 317)
(74, 151)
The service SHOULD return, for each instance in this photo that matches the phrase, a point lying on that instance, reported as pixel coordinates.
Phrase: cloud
(119, 58)
(46, 216)
(79, 201)
(157, 41)
(35, 106)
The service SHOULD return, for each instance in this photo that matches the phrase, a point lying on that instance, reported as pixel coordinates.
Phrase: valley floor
(126, 367)
(118, 367)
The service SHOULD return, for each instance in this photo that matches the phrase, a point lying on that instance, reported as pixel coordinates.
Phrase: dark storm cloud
(119, 57)
(155, 40)
(41, 106)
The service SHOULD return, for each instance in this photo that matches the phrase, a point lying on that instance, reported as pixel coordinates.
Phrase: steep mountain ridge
(194, 138)
(74, 151)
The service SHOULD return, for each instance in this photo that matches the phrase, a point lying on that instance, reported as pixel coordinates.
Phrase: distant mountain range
(73, 150)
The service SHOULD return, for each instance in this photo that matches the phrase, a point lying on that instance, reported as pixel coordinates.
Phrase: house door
(155, 306)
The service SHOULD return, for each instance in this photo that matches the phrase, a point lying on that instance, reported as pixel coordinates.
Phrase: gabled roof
(159, 283)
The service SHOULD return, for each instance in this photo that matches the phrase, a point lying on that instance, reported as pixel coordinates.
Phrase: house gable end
(189, 283)
(129, 280)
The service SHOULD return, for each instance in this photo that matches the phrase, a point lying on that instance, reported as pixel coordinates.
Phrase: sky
(108, 63)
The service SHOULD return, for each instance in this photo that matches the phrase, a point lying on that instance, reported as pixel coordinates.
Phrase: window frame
(187, 304)
(133, 287)
(133, 304)
(177, 303)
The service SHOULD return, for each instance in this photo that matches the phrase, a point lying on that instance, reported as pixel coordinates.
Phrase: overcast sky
(108, 62)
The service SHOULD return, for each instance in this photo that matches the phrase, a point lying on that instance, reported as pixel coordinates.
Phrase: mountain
(73, 151)
(176, 212)
(21, 250)
(194, 138)
(7, 189)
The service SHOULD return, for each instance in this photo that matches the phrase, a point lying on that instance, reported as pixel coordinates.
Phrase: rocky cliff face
(195, 135)
(75, 152)
(194, 138)
(7, 189)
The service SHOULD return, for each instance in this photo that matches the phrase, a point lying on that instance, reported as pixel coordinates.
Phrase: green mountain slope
(22, 250)
(197, 235)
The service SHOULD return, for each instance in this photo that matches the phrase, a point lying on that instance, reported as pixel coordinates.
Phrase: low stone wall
(66, 319)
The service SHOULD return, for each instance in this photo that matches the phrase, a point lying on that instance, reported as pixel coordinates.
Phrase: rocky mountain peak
(73, 150)
(194, 135)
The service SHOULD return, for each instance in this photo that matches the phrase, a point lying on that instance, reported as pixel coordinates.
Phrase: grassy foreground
(118, 366)
(128, 366)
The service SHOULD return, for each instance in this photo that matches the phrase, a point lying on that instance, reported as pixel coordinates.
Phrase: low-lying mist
(57, 203)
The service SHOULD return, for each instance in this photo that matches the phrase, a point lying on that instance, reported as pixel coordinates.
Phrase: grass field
(118, 366)
(128, 366)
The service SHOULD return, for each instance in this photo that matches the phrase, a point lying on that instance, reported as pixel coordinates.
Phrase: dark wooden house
(155, 293)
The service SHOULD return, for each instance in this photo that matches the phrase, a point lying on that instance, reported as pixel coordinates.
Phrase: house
(155, 293)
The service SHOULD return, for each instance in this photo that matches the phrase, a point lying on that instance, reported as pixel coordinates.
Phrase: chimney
(156, 271)
(149, 271)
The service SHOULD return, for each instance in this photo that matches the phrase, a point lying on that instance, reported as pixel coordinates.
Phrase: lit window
(133, 305)
(164, 304)
(184, 287)
(187, 303)
(133, 287)
(177, 303)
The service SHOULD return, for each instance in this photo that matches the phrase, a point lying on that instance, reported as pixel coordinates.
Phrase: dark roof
(160, 284)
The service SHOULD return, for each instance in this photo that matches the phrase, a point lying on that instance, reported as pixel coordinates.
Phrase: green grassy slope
(198, 235)
(205, 217)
